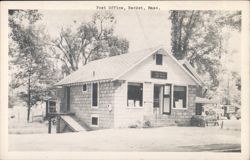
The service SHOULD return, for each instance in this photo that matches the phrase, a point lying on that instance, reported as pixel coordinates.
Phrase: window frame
(156, 55)
(127, 83)
(86, 88)
(179, 85)
(98, 120)
(199, 109)
(98, 95)
(158, 72)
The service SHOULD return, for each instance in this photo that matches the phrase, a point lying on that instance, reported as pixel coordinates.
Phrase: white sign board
(230, 109)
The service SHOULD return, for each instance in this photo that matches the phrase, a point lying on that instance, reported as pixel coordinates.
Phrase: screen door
(166, 107)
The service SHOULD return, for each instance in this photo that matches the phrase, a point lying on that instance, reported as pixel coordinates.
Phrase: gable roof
(111, 68)
(191, 70)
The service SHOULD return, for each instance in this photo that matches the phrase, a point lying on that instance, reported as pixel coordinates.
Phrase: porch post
(58, 124)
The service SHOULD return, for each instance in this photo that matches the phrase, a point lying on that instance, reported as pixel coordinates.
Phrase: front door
(162, 98)
(166, 107)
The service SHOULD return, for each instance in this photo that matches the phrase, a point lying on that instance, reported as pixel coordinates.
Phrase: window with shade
(84, 88)
(180, 97)
(95, 94)
(159, 59)
(94, 120)
(135, 94)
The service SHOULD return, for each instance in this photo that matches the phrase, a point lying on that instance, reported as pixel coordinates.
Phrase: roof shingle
(106, 68)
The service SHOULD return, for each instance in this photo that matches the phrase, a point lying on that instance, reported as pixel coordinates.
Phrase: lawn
(17, 122)
(164, 139)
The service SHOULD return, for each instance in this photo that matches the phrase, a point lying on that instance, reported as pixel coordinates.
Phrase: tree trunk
(29, 106)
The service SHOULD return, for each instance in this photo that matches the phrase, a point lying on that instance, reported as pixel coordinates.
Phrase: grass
(28, 128)
(17, 122)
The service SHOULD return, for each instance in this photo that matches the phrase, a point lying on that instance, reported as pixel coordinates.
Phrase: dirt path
(164, 139)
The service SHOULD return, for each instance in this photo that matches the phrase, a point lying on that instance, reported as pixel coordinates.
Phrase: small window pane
(198, 109)
(167, 90)
(94, 121)
(166, 104)
(159, 59)
(84, 88)
(179, 88)
(159, 75)
(135, 93)
(52, 106)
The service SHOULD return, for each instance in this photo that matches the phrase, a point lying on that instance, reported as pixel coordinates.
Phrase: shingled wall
(80, 104)
(127, 116)
(114, 94)
(180, 117)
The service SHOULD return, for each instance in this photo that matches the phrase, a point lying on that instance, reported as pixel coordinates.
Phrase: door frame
(161, 98)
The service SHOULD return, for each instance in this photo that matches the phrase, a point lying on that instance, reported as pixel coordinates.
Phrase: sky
(143, 29)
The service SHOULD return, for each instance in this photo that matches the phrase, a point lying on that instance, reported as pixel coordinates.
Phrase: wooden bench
(211, 119)
(215, 122)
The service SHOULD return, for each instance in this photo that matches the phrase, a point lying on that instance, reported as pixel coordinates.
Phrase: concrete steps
(163, 121)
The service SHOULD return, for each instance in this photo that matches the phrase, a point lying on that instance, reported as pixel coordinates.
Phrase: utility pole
(29, 105)
(228, 92)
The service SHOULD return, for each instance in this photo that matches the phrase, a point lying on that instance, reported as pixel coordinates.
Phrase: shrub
(146, 124)
(197, 121)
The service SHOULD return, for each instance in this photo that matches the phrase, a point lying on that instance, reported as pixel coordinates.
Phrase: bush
(147, 124)
(133, 126)
(198, 121)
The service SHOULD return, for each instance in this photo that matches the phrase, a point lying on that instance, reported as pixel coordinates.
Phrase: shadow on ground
(213, 147)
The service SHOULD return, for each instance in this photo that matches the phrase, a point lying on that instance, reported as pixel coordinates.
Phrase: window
(159, 59)
(52, 106)
(180, 96)
(95, 94)
(198, 109)
(135, 93)
(159, 75)
(94, 120)
(84, 87)
(68, 98)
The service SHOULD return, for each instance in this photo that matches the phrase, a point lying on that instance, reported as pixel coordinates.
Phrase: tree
(200, 38)
(29, 65)
(91, 40)
(197, 37)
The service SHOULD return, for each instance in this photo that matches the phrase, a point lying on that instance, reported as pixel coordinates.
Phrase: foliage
(90, 41)
(28, 63)
(228, 89)
(31, 66)
(197, 37)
